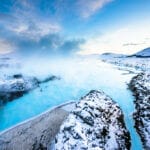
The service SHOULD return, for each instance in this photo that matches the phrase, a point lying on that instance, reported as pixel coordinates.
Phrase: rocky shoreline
(17, 85)
(95, 119)
(140, 85)
(97, 122)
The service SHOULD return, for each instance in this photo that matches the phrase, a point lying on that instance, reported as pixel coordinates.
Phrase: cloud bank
(31, 32)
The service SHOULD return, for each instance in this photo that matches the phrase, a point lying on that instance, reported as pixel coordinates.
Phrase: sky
(66, 27)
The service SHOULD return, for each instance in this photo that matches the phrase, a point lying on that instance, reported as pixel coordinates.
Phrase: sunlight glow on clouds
(127, 40)
(6, 47)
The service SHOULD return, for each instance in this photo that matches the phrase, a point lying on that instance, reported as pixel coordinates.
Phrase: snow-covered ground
(139, 61)
(140, 85)
(96, 123)
(133, 64)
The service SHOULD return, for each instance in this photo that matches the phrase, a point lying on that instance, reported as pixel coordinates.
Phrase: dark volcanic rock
(140, 85)
(96, 123)
(50, 78)
(16, 86)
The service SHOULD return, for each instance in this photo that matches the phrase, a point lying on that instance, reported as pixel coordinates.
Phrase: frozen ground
(132, 64)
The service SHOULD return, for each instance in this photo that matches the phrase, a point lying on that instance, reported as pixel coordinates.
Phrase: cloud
(78, 8)
(35, 37)
(24, 20)
(48, 45)
(71, 46)
(27, 30)
(89, 7)
(132, 44)
(6, 46)
(5, 17)
(28, 35)
(24, 3)
(34, 29)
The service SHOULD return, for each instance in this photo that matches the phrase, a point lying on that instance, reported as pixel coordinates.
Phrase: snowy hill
(143, 53)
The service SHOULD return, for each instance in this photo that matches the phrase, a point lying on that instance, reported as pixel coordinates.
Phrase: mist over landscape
(74, 75)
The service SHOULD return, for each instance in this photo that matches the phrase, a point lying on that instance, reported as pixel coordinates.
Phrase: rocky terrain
(15, 86)
(12, 87)
(140, 85)
(96, 123)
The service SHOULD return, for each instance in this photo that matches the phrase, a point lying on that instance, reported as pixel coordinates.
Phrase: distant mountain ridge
(143, 53)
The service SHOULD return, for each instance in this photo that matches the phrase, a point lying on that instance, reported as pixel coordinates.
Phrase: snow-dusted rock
(96, 123)
(15, 86)
(140, 85)
(12, 87)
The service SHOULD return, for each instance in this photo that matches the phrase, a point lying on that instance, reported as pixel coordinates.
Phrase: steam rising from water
(78, 71)
(78, 77)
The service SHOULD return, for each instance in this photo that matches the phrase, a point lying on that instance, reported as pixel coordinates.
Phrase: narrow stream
(76, 81)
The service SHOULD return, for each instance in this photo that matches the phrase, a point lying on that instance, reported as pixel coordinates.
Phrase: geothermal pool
(78, 77)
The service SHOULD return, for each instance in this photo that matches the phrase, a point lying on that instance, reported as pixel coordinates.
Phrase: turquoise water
(76, 80)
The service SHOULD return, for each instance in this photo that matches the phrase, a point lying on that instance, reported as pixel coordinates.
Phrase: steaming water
(77, 79)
